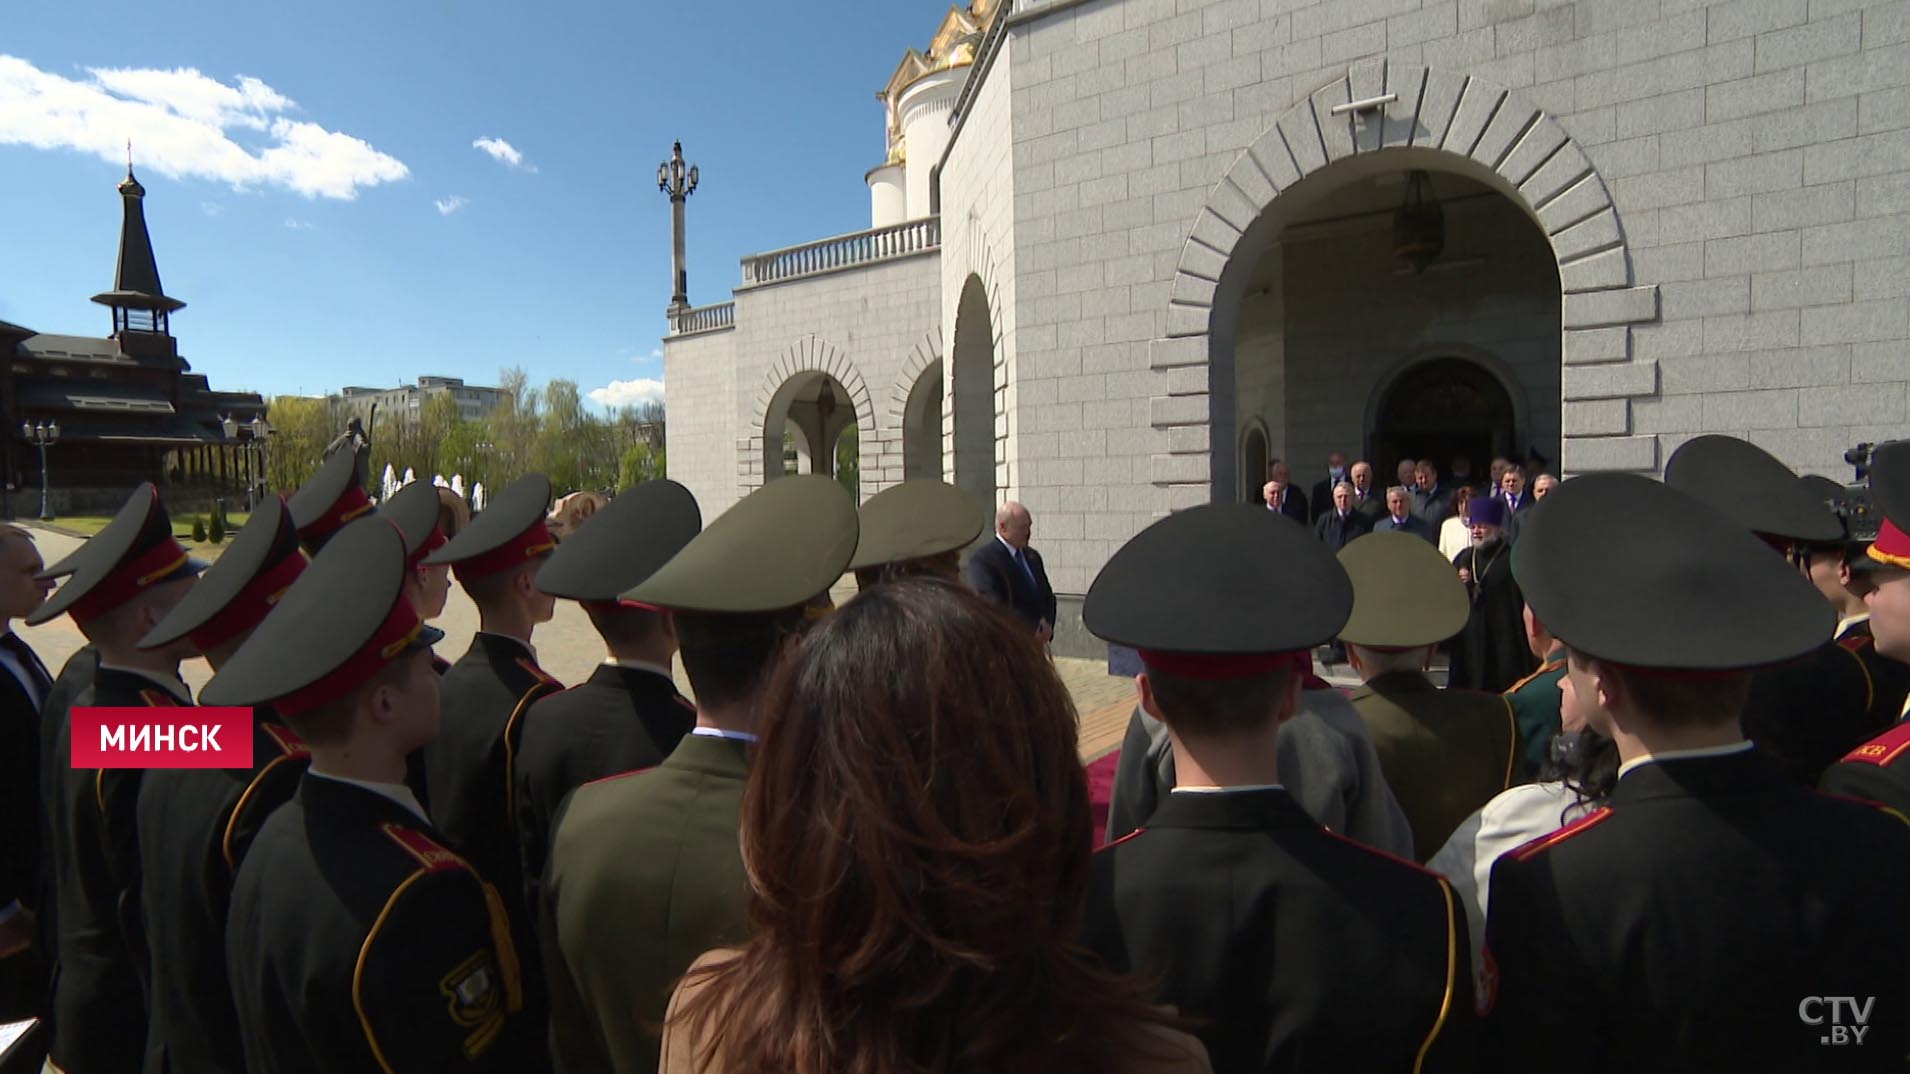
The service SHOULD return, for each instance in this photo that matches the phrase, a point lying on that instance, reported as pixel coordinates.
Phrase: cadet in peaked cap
(357, 939)
(917, 527)
(1843, 572)
(421, 513)
(123, 580)
(628, 714)
(333, 497)
(468, 767)
(1751, 887)
(1879, 770)
(1230, 894)
(195, 825)
(645, 872)
(1445, 752)
(1809, 711)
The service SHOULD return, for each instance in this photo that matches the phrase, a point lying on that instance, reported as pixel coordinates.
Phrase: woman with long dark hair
(916, 834)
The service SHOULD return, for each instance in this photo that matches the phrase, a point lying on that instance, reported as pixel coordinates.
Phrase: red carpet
(1100, 788)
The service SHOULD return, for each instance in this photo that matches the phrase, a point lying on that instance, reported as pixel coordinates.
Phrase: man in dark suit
(1688, 924)
(1341, 523)
(1399, 516)
(22, 689)
(1321, 498)
(1280, 495)
(1007, 571)
(1432, 501)
(1368, 498)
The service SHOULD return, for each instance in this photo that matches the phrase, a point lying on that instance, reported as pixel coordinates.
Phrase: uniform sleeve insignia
(291, 744)
(475, 1001)
(1546, 842)
(1883, 749)
(433, 855)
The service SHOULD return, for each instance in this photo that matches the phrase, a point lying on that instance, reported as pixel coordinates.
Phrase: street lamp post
(260, 429)
(679, 183)
(44, 435)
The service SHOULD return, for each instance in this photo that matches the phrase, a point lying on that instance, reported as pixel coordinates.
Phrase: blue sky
(315, 196)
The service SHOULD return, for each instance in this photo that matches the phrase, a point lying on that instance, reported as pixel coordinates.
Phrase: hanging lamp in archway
(825, 402)
(1419, 226)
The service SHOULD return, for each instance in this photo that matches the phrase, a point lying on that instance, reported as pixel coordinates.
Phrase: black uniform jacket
(1889, 678)
(1877, 771)
(1305, 950)
(1807, 713)
(76, 676)
(22, 827)
(1683, 928)
(195, 826)
(619, 720)
(357, 941)
(99, 1006)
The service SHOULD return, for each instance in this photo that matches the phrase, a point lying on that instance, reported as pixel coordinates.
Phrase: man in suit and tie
(1008, 572)
(1321, 498)
(1368, 499)
(22, 689)
(1280, 495)
(1399, 516)
(1341, 523)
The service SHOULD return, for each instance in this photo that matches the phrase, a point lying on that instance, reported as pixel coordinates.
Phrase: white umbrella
(477, 496)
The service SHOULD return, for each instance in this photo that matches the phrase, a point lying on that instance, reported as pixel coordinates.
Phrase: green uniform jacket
(1535, 709)
(644, 876)
(1445, 752)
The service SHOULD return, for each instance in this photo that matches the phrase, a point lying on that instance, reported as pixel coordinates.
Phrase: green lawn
(88, 525)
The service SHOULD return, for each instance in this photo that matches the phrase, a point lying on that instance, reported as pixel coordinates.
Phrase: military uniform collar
(724, 757)
(1249, 809)
(1849, 621)
(1396, 682)
(504, 644)
(172, 684)
(1696, 773)
(640, 665)
(396, 792)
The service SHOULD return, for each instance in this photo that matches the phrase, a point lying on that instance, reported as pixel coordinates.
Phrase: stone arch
(981, 266)
(1485, 359)
(1424, 118)
(1255, 449)
(924, 361)
(809, 354)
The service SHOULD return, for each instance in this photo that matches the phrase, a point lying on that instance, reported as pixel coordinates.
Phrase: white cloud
(296, 224)
(211, 208)
(447, 206)
(503, 152)
(621, 393)
(181, 123)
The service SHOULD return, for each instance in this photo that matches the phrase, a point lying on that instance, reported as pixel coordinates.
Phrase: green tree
(640, 463)
(301, 427)
(849, 460)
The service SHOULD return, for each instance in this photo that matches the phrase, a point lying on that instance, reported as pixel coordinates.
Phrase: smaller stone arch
(981, 263)
(898, 456)
(1255, 445)
(809, 354)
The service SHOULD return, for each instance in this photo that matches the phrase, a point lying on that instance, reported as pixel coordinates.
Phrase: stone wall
(700, 375)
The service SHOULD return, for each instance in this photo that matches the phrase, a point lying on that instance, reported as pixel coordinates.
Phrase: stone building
(1125, 251)
(127, 406)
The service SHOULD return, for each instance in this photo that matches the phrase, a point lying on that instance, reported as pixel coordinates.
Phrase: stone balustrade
(844, 252)
(703, 319)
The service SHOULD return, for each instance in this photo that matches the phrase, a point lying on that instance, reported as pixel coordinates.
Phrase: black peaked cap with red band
(333, 497)
(1220, 591)
(1635, 572)
(1749, 486)
(414, 510)
(134, 552)
(344, 620)
(623, 544)
(236, 592)
(508, 532)
(1890, 491)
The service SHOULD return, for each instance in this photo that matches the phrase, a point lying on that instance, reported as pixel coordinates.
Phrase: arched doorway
(922, 426)
(973, 411)
(1329, 341)
(1444, 409)
(803, 431)
(1253, 462)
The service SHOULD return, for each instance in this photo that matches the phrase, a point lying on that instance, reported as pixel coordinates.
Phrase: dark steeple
(141, 308)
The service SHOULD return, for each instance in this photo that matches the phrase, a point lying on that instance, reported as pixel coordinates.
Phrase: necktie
(1021, 560)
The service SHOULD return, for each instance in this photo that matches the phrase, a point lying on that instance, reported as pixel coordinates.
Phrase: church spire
(140, 305)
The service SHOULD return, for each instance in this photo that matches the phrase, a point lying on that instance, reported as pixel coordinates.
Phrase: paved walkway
(569, 649)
